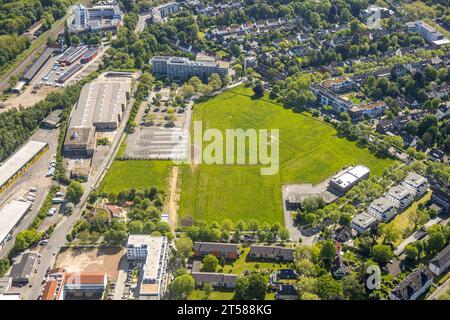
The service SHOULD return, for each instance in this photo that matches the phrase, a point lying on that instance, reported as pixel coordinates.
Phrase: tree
(135, 227)
(210, 263)
(251, 287)
(390, 233)
(182, 286)
(184, 246)
(253, 225)
(258, 89)
(411, 251)
(283, 233)
(352, 288)
(207, 289)
(74, 192)
(327, 287)
(418, 217)
(309, 296)
(227, 225)
(382, 253)
(328, 251)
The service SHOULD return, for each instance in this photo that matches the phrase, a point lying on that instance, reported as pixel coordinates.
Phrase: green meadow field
(136, 174)
(310, 151)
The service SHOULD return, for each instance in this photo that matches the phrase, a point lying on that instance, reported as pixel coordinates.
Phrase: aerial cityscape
(224, 150)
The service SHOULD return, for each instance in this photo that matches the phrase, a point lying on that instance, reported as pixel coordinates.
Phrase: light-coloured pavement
(441, 289)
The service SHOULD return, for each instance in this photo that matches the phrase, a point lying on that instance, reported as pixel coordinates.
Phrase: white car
(59, 194)
(33, 189)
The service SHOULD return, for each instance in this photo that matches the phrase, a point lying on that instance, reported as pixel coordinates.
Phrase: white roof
(10, 296)
(14, 163)
(350, 176)
(441, 42)
(359, 171)
(155, 246)
(10, 215)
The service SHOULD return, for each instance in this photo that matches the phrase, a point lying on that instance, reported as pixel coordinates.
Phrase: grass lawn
(216, 294)
(310, 151)
(244, 263)
(136, 174)
(401, 221)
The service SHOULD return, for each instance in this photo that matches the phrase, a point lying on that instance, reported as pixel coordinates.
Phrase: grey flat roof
(14, 163)
(363, 220)
(99, 102)
(37, 65)
(22, 271)
(10, 216)
(382, 204)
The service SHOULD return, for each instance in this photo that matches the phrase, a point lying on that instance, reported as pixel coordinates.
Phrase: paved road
(441, 289)
(58, 238)
(33, 177)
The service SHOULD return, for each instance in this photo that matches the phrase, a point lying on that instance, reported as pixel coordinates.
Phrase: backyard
(310, 151)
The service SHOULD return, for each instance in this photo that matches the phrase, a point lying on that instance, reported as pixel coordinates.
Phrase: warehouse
(37, 65)
(21, 271)
(74, 69)
(15, 165)
(345, 180)
(90, 54)
(100, 107)
(72, 54)
(10, 216)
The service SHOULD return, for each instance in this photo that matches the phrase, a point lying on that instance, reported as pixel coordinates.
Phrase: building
(53, 120)
(339, 84)
(367, 110)
(152, 253)
(441, 197)
(416, 184)
(345, 180)
(382, 209)
(225, 250)
(415, 284)
(101, 106)
(22, 270)
(165, 10)
(222, 280)
(271, 253)
(363, 222)
(428, 32)
(72, 55)
(400, 196)
(178, 68)
(286, 292)
(37, 65)
(10, 216)
(83, 285)
(441, 262)
(326, 97)
(339, 267)
(99, 18)
(20, 161)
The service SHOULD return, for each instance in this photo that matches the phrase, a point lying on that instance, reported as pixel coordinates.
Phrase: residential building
(165, 10)
(363, 222)
(415, 284)
(382, 209)
(286, 292)
(345, 180)
(5, 285)
(416, 184)
(441, 197)
(327, 97)
(339, 84)
(368, 110)
(400, 196)
(428, 32)
(180, 68)
(225, 250)
(271, 253)
(440, 262)
(152, 253)
(339, 267)
(222, 280)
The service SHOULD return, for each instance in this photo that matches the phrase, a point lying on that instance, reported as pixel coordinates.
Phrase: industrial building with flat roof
(100, 107)
(10, 216)
(346, 179)
(37, 65)
(15, 165)
(154, 251)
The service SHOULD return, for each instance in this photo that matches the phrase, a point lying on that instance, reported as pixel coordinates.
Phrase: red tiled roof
(85, 278)
(49, 290)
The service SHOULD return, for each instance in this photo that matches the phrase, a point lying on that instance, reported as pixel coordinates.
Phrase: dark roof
(215, 246)
(214, 277)
(339, 263)
(37, 65)
(415, 281)
(22, 271)
(287, 290)
(285, 253)
(442, 258)
(286, 274)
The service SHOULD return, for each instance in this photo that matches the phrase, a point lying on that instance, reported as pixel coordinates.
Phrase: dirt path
(172, 204)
